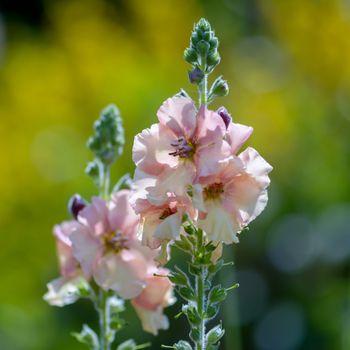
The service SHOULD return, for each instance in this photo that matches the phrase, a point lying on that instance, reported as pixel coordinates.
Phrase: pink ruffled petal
(179, 115)
(208, 158)
(95, 216)
(237, 135)
(151, 149)
(169, 228)
(125, 273)
(86, 249)
(219, 225)
(121, 216)
(256, 166)
(210, 127)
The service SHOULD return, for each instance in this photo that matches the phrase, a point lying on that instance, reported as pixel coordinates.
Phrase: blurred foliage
(287, 63)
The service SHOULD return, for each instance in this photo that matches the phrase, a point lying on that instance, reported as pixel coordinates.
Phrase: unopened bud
(190, 56)
(75, 205)
(225, 115)
(196, 75)
(219, 88)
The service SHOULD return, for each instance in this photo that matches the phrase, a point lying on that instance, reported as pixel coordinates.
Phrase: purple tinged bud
(75, 205)
(196, 75)
(225, 115)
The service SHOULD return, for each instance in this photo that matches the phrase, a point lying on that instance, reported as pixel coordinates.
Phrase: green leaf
(212, 311)
(215, 334)
(217, 294)
(187, 293)
(182, 345)
(87, 336)
(179, 278)
(192, 315)
(195, 335)
(127, 345)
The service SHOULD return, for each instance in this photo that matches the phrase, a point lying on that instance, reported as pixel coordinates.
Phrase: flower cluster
(188, 163)
(101, 245)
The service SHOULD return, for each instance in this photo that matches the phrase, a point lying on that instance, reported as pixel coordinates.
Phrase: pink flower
(106, 246)
(234, 196)
(154, 298)
(67, 262)
(183, 137)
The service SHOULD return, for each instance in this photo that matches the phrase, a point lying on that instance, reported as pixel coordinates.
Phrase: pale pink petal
(63, 231)
(179, 115)
(86, 249)
(175, 180)
(124, 273)
(149, 225)
(157, 291)
(68, 264)
(95, 216)
(152, 320)
(62, 291)
(169, 228)
(256, 165)
(121, 216)
(246, 196)
(208, 158)
(151, 149)
(210, 127)
(237, 135)
(219, 225)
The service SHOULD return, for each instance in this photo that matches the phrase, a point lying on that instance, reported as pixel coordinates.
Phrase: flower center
(115, 242)
(183, 148)
(167, 212)
(213, 191)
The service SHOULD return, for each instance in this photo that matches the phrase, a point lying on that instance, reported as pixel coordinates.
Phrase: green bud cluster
(201, 268)
(108, 141)
(203, 51)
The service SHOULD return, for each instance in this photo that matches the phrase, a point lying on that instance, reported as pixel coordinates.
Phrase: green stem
(104, 321)
(201, 299)
(105, 342)
(203, 90)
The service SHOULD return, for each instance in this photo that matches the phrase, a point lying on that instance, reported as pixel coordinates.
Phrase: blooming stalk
(194, 191)
(100, 255)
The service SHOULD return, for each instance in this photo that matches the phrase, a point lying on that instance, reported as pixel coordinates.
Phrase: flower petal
(179, 115)
(219, 225)
(121, 216)
(151, 149)
(86, 249)
(124, 273)
(237, 135)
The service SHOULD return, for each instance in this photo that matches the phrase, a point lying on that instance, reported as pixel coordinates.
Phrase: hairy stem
(201, 298)
(103, 311)
(104, 321)
(203, 90)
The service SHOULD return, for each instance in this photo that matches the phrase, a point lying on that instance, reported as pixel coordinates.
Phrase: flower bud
(87, 336)
(75, 205)
(225, 115)
(203, 48)
(190, 56)
(219, 88)
(196, 75)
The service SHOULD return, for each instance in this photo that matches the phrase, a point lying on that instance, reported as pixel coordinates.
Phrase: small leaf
(192, 315)
(217, 294)
(215, 334)
(127, 345)
(195, 335)
(186, 293)
(212, 311)
(182, 345)
(87, 336)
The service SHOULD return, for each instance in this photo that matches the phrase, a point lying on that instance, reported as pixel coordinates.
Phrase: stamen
(115, 242)
(167, 212)
(183, 149)
(213, 191)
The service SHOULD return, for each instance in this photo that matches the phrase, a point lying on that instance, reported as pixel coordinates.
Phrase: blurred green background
(288, 66)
